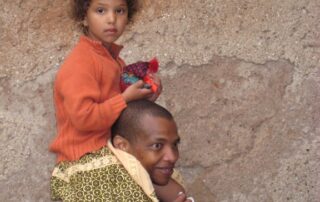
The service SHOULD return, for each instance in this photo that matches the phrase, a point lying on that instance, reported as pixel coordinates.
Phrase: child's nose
(111, 17)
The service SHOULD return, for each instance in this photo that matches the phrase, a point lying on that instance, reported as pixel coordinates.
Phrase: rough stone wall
(241, 77)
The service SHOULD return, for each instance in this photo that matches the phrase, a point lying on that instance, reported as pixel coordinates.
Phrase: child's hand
(136, 92)
(155, 95)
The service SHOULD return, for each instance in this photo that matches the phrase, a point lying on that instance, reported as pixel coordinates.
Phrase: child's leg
(169, 192)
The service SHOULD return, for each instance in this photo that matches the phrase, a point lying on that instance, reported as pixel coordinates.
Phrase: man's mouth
(166, 170)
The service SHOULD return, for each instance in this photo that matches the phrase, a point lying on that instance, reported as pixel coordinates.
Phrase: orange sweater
(87, 99)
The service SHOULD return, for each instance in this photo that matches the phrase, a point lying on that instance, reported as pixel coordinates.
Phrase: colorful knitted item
(140, 71)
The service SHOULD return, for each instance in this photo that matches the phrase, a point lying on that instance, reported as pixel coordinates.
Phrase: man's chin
(160, 182)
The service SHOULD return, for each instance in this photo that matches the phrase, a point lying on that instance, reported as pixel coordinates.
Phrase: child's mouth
(111, 31)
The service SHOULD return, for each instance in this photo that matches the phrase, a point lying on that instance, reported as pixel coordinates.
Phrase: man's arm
(172, 192)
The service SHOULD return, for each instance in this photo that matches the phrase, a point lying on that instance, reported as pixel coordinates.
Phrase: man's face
(157, 148)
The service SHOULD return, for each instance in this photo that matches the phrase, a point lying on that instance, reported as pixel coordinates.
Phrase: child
(87, 92)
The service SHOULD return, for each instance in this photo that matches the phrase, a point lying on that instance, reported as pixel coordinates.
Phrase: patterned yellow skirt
(98, 176)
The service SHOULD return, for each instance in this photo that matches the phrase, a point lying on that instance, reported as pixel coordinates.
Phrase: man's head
(148, 132)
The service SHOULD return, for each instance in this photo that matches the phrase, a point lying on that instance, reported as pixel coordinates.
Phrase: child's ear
(121, 143)
(85, 21)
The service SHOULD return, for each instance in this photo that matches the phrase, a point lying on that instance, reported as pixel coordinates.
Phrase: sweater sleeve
(81, 94)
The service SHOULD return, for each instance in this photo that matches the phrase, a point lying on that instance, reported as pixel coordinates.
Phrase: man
(149, 133)
(137, 165)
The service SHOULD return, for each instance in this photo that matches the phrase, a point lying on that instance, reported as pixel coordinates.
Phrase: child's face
(157, 148)
(106, 20)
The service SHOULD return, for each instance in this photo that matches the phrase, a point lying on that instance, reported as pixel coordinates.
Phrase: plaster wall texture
(241, 77)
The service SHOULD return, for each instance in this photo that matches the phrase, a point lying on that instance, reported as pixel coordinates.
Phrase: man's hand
(172, 192)
(183, 198)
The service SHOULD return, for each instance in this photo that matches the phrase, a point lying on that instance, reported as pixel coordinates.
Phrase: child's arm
(80, 96)
(172, 192)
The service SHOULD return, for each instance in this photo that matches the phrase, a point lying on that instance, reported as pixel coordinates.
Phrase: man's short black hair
(129, 123)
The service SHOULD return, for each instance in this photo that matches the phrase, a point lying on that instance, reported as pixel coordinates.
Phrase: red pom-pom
(153, 65)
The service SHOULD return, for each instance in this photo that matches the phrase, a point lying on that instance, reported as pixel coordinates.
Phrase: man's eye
(121, 11)
(100, 10)
(157, 146)
(176, 145)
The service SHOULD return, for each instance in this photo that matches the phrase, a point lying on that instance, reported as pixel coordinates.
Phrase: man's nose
(171, 155)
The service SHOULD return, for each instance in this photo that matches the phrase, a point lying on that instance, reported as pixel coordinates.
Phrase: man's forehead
(156, 122)
(157, 128)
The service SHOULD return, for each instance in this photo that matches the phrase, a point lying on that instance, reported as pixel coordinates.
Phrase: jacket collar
(99, 48)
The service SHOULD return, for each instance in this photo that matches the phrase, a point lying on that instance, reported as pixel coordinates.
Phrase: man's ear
(121, 143)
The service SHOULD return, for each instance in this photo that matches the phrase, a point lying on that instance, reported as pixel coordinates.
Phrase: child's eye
(157, 146)
(100, 10)
(121, 11)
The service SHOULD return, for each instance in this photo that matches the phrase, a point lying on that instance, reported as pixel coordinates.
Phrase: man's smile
(167, 171)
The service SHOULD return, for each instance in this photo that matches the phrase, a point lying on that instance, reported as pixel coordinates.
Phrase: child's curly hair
(80, 7)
